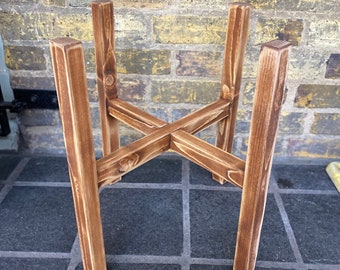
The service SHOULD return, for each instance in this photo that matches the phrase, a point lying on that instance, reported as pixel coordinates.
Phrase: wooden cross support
(88, 174)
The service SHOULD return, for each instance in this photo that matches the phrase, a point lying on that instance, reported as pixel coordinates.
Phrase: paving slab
(315, 222)
(34, 263)
(313, 177)
(45, 169)
(134, 266)
(214, 220)
(37, 219)
(142, 221)
(156, 171)
(7, 165)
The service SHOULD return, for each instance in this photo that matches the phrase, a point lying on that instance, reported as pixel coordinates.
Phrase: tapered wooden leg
(103, 30)
(69, 70)
(237, 35)
(266, 111)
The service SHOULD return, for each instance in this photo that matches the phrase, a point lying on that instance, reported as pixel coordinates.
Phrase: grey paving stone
(37, 219)
(7, 165)
(45, 169)
(158, 170)
(315, 222)
(143, 266)
(214, 219)
(274, 243)
(33, 263)
(142, 221)
(274, 268)
(200, 176)
(226, 267)
(210, 267)
(312, 177)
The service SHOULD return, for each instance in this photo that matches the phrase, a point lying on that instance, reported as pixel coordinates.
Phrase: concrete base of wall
(11, 141)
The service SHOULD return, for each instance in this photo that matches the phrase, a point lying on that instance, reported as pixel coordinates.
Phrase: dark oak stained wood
(88, 175)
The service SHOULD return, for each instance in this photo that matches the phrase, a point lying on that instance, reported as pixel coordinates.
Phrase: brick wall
(169, 55)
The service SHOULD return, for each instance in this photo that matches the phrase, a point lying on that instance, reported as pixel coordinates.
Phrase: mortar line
(186, 215)
(281, 265)
(34, 254)
(323, 266)
(174, 186)
(147, 259)
(215, 188)
(307, 192)
(41, 184)
(9, 183)
(75, 255)
(287, 226)
(208, 261)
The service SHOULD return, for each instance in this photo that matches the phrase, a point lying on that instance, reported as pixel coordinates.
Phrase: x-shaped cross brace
(177, 136)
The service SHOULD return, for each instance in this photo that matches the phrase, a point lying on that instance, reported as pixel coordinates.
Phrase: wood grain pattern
(236, 41)
(266, 111)
(133, 116)
(103, 30)
(157, 141)
(69, 68)
(209, 157)
(129, 157)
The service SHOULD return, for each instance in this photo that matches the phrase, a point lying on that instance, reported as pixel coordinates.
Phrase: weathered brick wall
(169, 55)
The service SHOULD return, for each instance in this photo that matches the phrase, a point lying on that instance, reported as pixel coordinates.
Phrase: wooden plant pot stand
(88, 174)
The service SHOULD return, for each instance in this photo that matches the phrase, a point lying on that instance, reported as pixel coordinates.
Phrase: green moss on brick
(180, 29)
(25, 58)
(148, 62)
(45, 26)
(317, 96)
(196, 92)
(284, 29)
